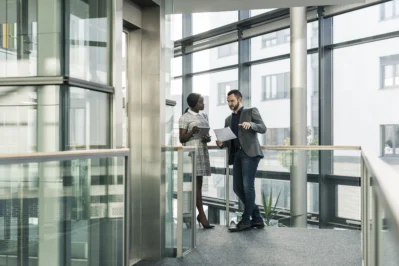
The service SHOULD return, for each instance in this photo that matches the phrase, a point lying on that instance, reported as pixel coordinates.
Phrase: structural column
(298, 116)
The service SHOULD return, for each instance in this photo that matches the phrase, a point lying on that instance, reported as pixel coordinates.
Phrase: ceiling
(196, 6)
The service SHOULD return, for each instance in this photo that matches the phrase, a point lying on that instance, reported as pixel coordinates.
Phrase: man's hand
(219, 143)
(245, 125)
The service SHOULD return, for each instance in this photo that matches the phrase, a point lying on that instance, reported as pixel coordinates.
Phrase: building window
(276, 86)
(228, 50)
(276, 38)
(223, 89)
(390, 140)
(390, 10)
(389, 71)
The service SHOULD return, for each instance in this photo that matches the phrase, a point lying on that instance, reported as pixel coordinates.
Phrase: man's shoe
(257, 223)
(241, 226)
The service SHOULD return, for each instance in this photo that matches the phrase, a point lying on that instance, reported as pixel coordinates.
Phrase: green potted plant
(270, 212)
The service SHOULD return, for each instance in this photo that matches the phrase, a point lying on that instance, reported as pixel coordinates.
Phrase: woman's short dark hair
(192, 99)
(237, 93)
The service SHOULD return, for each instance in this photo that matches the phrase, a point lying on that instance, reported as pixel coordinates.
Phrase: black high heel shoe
(205, 226)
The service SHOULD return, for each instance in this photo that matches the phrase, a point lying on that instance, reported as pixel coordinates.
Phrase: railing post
(227, 183)
(179, 230)
(194, 207)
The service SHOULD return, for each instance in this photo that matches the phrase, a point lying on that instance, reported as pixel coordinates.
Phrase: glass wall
(22, 27)
(364, 82)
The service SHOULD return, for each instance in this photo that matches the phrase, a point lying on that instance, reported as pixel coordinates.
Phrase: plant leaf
(269, 206)
(265, 206)
(275, 205)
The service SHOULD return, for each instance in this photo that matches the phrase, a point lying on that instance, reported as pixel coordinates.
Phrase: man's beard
(235, 108)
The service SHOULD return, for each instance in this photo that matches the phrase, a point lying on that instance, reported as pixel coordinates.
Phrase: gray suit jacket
(248, 138)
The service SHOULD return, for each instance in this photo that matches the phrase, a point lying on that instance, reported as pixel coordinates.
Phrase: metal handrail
(61, 155)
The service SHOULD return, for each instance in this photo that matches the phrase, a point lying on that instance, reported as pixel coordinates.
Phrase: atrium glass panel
(177, 65)
(206, 21)
(362, 103)
(374, 20)
(25, 110)
(89, 47)
(177, 27)
(270, 93)
(89, 124)
(221, 56)
(278, 43)
(209, 85)
(23, 26)
(65, 219)
(177, 92)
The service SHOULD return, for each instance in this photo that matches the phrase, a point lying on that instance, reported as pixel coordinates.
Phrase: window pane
(176, 95)
(397, 75)
(89, 119)
(388, 9)
(389, 140)
(89, 29)
(388, 71)
(177, 27)
(346, 26)
(207, 85)
(278, 43)
(23, 110)
(206, 21)
(209, 59)
(356, 81)
(177, 65)
(276, 113)
(274, 87)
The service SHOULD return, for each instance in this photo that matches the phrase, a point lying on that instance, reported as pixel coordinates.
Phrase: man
(245, 153)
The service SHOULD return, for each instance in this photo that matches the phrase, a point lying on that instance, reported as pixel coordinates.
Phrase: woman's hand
(206, 139)
(195, 130)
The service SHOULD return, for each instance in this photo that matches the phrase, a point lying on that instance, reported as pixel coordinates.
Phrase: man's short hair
(237, 93)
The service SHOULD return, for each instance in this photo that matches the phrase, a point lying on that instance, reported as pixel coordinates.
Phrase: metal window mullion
(325, 119)
(187, 61)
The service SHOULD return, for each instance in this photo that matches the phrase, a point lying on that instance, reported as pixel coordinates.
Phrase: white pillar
(298, 116)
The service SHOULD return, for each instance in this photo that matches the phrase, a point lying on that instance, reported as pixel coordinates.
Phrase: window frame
(395, 141)
(222, 87)
(391, 60)
(282, 86)
(395, 10)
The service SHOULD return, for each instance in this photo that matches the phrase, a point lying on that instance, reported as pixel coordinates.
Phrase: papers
(224, 134)
(204, 131)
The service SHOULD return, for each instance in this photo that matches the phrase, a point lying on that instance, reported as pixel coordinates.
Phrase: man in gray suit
(245, 153)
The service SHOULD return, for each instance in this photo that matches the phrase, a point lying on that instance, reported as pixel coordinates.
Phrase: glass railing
(180, 201)
(380, 212)
(64, 208)
(333, 169)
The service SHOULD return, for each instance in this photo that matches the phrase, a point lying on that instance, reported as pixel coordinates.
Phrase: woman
(190, 123)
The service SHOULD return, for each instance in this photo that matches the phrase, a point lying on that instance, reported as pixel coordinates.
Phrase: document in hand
(204, 131)
(224, 134)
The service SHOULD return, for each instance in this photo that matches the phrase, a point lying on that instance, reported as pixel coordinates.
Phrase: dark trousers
(244, 171)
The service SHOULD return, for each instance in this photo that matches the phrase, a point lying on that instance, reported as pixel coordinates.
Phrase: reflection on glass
(348, 202)
(61, 206)
(23, 110)
(20, 30)
(89, 48)
(89, 119)
(124, 87)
